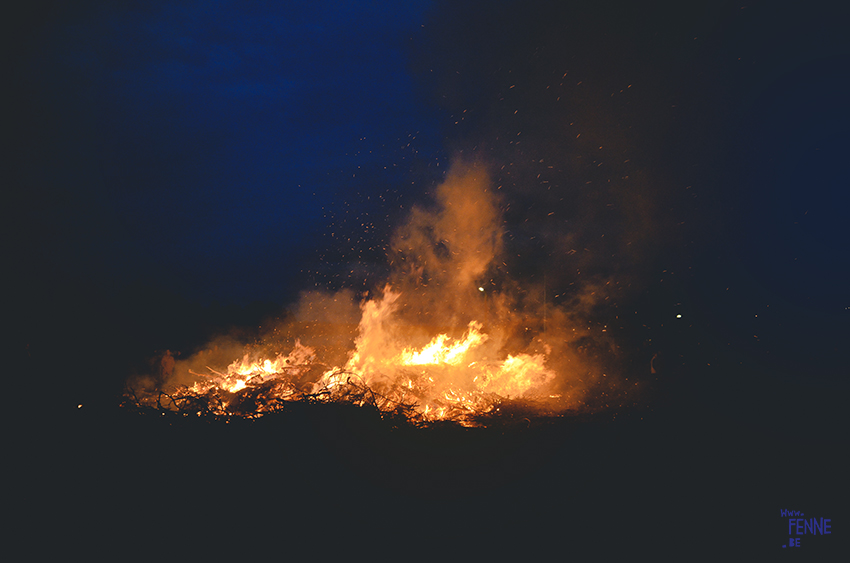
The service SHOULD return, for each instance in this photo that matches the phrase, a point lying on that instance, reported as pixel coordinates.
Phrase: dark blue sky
(229, 152)
(185, 143)
(209, 145)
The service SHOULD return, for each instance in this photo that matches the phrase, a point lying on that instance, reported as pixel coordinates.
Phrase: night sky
(178, 168)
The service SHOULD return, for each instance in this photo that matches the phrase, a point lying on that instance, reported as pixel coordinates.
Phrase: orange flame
(438, 351)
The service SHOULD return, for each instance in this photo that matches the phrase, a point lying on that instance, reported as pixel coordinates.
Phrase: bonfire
(448, 337)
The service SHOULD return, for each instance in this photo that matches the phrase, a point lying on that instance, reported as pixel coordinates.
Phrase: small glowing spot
(480, 289)
(678, 316)
(79, 406)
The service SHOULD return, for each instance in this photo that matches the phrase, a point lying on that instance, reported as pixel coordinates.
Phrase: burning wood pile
(417, 391)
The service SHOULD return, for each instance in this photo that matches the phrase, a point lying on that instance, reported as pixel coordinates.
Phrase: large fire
(449, 337)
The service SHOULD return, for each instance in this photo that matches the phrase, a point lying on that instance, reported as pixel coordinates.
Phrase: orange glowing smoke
(434, 342)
